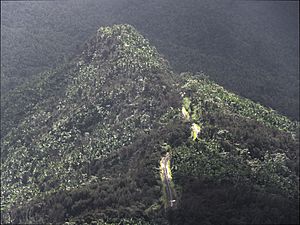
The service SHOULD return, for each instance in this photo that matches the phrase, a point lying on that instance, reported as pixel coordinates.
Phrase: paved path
(167, 181)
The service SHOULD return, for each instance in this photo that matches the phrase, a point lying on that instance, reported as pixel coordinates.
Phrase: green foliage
(244, 47)
(195, 131)
(242, 147)
(103, 102)
(84, 142)
(187, 104)
(209, 95)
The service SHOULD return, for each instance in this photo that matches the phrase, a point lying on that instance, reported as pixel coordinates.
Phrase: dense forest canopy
(101, 123)
(85, 143)
(250, 47)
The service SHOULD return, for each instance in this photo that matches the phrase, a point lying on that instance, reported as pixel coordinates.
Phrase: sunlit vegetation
(209, 94)
(86, 148)
(242, 149)
(102, 105)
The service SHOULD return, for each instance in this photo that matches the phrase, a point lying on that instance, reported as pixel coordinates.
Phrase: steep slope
(242, 164)
(87, 146)
(117, 91)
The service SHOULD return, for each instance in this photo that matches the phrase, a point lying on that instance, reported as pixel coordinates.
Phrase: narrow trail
(167, 181)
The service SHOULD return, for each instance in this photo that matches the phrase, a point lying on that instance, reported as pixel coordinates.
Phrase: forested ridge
(249, 47)
(82, 143)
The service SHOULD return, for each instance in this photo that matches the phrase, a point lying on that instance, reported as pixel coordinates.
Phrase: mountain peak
(83, 144)
(115, 91)
(126, 48)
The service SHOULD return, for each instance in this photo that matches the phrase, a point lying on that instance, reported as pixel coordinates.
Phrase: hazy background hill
(250, 47)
